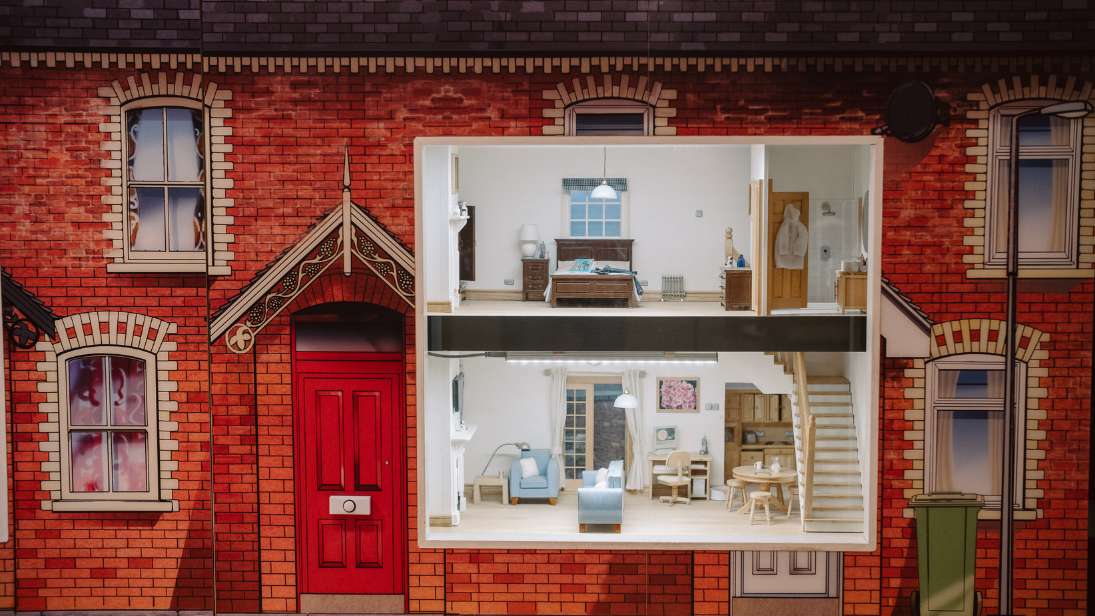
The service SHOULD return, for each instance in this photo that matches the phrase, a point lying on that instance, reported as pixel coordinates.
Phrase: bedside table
(534, 279)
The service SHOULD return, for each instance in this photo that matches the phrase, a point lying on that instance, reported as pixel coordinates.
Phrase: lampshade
(626, 401)
(604, 191)
(529, 233)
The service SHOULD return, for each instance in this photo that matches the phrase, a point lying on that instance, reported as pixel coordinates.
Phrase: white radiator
(673, 288)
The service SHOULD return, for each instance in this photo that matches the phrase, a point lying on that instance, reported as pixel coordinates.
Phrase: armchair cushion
(534, 482)
(528, 468)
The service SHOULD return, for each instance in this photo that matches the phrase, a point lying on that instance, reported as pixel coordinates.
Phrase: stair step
(819, 448)
(814, 525)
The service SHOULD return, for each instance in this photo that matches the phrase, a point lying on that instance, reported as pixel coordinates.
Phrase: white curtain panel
(557, 409)
(636, 475)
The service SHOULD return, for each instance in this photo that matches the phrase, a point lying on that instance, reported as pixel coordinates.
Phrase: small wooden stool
(792, 496)
(763, 498)
(735, 485)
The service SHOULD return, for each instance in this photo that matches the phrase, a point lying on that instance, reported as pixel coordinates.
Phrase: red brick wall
(287, 135)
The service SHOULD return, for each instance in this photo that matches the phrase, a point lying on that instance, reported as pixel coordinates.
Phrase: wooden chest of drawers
(534, 279)
(737, 284)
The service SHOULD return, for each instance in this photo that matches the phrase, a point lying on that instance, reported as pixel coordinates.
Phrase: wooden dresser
(534, 279)
(736, 284)
(851, 291)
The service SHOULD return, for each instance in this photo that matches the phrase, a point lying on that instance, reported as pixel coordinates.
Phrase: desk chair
(679, 461)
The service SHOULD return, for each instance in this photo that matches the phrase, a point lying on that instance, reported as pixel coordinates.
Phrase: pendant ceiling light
(604, 191)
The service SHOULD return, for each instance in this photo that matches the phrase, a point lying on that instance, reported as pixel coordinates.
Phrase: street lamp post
(1070, 110)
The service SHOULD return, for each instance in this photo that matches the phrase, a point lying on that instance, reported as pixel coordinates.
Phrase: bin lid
(947, 499)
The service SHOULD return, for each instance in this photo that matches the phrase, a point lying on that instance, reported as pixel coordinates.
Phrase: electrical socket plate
(508, 281)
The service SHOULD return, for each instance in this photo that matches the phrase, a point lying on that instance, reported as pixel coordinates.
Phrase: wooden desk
(654, 459)
(765, 478)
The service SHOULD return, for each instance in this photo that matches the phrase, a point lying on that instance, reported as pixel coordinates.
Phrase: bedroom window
(591, 217)
(1049, 178)
(109, 436)
(965, 427)
(165, 183)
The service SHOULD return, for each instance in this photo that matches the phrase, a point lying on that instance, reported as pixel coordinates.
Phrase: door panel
(787, 288)
(348, 434)
(788, 574)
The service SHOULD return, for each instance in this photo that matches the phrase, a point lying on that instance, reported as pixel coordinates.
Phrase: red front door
(349, 445)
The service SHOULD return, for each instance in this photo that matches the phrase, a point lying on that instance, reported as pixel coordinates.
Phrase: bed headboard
(614, 249)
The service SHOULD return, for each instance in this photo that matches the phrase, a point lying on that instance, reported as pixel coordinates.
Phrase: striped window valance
(617, 184)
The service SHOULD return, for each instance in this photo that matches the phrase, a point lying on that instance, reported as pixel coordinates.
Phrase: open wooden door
(787, 288)
(756, 217)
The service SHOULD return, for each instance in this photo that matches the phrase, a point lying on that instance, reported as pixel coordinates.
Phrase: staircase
(837, 505)
(835, 499)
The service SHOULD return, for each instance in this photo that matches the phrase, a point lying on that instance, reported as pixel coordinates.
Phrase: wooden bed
(595, 286)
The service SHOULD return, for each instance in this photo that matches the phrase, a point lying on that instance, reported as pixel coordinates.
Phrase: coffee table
(765, 477)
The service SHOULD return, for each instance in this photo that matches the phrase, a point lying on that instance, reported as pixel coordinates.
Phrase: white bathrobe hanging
(791, 240)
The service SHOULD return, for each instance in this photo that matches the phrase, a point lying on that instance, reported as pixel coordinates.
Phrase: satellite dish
(911, 113)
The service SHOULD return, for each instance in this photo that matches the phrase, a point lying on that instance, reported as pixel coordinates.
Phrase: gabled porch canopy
(349, 225)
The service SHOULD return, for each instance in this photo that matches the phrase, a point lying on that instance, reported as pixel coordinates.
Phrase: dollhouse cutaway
(544, 368)
(545, 308)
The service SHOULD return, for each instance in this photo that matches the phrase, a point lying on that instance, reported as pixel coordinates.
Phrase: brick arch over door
(257, 424)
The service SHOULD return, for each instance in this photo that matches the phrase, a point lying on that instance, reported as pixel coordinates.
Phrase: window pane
(577, 229)
(568, 447)
(127, 389)
(86, 392)
(1037, 130)
(130, 462)
(570, 419)
(612, 229)
(970, 452)
(596, 229)
(89, 473)
(609, 124)
(577, 211)
(596, 211)
(569, 460)
(186, 208)
(612, 210)
(572, 474)
(578, 196)
(146, 219)
(145, 133)
(185, 152)
(1043, 208)
(580, 394)
(580, 421)
(580, 461)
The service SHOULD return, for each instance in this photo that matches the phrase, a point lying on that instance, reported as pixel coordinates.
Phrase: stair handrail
(809, 431)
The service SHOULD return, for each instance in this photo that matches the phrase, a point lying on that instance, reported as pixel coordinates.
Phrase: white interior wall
(515, 185)
(836, 174)
(440, 421)
(509, 403)
(436, 205)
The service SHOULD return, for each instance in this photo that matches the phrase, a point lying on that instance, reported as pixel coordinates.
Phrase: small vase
(775, 468)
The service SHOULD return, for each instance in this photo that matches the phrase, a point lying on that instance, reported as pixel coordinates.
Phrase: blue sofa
(544, 485)
(602, 505)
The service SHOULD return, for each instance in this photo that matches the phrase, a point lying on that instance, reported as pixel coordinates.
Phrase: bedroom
(675, 202)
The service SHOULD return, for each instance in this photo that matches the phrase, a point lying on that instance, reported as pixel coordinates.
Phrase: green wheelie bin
(946, 548)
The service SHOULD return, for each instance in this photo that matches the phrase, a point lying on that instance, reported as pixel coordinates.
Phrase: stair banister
(808, 429)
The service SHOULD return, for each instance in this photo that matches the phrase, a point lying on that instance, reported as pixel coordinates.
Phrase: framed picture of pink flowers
(678, 395)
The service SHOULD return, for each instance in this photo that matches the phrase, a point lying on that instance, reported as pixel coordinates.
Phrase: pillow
(528, 468)
(617, 264)
(602, 476)
(603, 484)
(564, 266)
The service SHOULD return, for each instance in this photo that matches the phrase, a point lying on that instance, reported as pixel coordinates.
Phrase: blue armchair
(544, 485)
(602, 505)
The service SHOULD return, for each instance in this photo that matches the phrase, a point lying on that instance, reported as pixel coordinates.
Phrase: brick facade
(290, 118)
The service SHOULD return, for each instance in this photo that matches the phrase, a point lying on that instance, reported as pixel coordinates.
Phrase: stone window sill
(1031, 273)
(114, 505)
(167, 268)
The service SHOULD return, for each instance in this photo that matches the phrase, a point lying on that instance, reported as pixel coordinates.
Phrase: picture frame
(750, 436)
(678, 395)
(455, 174)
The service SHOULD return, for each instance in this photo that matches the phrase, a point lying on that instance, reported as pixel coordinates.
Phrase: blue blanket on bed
(615, 270)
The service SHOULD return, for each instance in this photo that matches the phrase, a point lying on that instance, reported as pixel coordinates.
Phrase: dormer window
(609, 116)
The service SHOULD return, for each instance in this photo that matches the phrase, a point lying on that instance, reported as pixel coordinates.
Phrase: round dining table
(765, 478)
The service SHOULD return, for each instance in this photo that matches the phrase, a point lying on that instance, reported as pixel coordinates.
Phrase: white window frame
(974, 361)
(112, 501)
(200, 260)
(608, 105)
(625, 218)
(999, 145)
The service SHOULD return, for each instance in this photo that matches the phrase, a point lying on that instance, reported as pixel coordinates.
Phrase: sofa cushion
(602, 476)
(532, 483)
(603, 484)
(529, 469)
